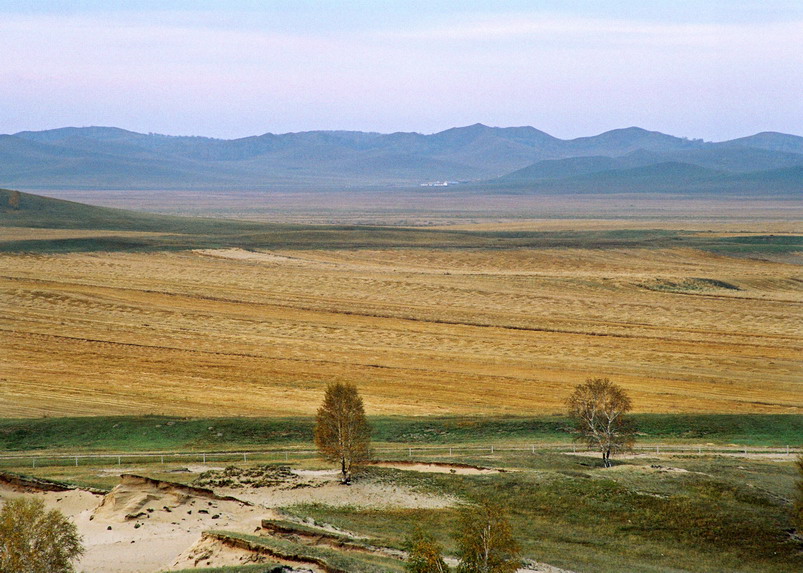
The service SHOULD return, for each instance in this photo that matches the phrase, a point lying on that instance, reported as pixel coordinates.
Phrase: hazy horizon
(716, 71)
(151, 132)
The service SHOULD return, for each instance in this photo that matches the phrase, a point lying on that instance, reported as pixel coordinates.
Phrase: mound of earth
(29, 484)
(210, 551)
(138, 496)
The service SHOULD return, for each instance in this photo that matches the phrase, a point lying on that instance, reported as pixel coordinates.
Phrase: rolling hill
(522, 157)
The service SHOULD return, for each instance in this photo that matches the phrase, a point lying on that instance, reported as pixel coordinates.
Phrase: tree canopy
(342, 433)
(426, 554)
(485, 540)
(33, 540)
(598, 408)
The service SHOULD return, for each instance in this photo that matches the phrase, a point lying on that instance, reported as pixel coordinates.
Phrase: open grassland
(117, 434)
(661, 513)
(470, 331)
(458, 206)
(111, 312)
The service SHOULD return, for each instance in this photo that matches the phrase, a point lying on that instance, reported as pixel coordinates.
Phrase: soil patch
(437, 467)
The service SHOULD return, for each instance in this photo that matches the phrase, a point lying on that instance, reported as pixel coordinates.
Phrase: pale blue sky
(709, 69)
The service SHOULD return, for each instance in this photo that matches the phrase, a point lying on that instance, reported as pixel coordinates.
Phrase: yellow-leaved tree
(342, 433)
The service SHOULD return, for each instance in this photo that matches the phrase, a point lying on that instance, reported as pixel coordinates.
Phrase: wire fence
(409, 452)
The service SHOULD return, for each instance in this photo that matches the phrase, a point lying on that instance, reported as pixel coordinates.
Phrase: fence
(33, 460)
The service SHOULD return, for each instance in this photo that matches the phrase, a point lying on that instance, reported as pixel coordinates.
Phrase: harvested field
(421, 331)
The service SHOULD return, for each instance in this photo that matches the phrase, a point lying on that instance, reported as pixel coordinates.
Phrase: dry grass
(32, 233)
(420, 331)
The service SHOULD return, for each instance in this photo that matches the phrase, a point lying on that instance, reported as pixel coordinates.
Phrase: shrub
(35, 541)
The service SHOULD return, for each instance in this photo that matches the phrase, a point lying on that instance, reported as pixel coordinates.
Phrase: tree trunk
(346, 478)
(606, 457)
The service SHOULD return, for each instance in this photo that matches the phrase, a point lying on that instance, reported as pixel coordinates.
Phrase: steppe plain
(458, 329)
(462, 328)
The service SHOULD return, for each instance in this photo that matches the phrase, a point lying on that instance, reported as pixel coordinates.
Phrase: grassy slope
(717, 516)
(668, 515)
(153, 433)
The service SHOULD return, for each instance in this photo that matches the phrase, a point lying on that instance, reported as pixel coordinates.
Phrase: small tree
(485, 541)
(598, 409)
(14, 200)
(35, 541)
(426, 554)
(342, 433)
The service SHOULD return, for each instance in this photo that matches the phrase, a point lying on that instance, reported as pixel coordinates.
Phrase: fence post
(285, 456)
(76, 461)
(163, 459)
(411, 452)
(34, 460)
(118, 460)
(245, 457)
(450, 451)
(204, 458)
(492, 449)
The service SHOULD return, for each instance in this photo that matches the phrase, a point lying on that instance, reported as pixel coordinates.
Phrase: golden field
(218, 332)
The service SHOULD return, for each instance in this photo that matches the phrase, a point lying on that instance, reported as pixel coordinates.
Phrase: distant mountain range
(480, 158)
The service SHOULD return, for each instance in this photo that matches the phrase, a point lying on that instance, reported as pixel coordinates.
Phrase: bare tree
(342, 433)
(426, 554)
(35, 541)
(598, 409)
(485, 541)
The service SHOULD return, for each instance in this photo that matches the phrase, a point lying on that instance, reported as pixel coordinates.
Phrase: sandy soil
(170, 520)
(324, 487)
(146, 525)
(437, 468)
(208, 552)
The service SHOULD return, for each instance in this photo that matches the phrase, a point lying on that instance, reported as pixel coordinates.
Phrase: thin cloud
(514, 28)
(175, 70)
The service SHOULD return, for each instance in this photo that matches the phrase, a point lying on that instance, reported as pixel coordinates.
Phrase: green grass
(164, 433)
(353, 562)
(610, 521)
(695, 513)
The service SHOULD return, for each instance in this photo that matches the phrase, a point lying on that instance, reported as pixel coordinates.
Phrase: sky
(710, 69)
